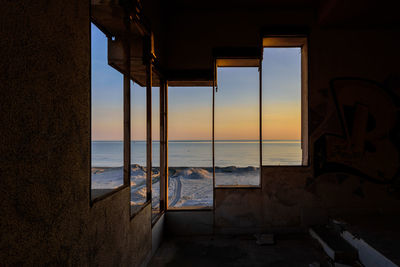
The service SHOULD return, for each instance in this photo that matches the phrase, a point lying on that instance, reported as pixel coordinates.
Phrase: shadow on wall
(360, 133)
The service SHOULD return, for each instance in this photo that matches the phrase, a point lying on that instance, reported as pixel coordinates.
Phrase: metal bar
(127, 106)
(127, 128)
(166, 144)
(213, 134)
(304, 103)
(148, 128)
(162, 144)
(260, 117)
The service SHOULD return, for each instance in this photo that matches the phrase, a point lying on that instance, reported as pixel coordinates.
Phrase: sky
(190, 108)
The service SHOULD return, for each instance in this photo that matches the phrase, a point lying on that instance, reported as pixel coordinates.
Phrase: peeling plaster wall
(46, 217)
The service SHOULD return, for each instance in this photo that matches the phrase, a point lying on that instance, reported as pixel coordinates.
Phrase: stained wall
(46, 215)
(353, 93)
(354, 140)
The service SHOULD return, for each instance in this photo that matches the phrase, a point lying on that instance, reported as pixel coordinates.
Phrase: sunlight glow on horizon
(190, 114)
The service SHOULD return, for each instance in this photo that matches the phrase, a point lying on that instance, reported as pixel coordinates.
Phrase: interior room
(200, 133)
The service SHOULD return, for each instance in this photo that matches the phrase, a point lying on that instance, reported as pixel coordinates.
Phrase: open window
(156, 159)
(237, 149)
(190, 148)
(132, 117)
(284, 101)
(138, 146)
(107, 152)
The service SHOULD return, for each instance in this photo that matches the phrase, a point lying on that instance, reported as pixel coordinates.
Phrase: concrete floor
(207, 251)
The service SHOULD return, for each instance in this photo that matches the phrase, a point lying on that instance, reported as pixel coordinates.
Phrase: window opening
(237, 127)
(155, 174)
(284, 100)
(107, 119)
(190, 147)
(138, 146)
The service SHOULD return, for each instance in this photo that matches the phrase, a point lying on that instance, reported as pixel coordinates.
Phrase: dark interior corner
(338, 205)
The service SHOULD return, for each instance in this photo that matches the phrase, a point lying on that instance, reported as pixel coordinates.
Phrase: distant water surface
(199, 153)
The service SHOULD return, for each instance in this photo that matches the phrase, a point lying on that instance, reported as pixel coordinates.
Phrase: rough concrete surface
(46, 216)
(239, 250)
(45, 114)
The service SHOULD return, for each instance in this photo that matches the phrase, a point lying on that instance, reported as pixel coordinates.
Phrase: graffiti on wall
(361, 136)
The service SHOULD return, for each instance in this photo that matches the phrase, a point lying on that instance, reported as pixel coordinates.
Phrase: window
(284, 100)
(138, 146)
(190, 147)
(107, 119)
(237, 127)
(156, 171)
(122, 111)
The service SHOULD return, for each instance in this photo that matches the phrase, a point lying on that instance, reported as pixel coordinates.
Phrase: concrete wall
(341, 179)
(46, 217)
(197, 222)
(193, 33)
(354, 142)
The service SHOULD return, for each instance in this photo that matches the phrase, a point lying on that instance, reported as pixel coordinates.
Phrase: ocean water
(199, 153)
(190, 167)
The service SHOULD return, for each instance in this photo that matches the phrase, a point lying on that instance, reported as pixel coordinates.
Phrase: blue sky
(236, 113)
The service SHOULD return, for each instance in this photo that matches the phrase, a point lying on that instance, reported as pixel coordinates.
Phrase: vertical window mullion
(260, 118)
(148, 129)
(127, 113)
(162, 144)
(165, 188)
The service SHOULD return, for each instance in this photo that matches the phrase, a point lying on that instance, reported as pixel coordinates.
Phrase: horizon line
(183, 140)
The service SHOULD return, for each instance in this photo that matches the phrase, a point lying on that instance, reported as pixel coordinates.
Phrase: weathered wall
(46, 218)
(288, 201)
(353, 122)
(45, 135)
(193, 33)
(354, 141)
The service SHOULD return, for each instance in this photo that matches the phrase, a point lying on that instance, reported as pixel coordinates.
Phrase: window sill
(238, 187)
(156, 217)
(136, 209)
(97, 195)
(190, 208)
(286, 166)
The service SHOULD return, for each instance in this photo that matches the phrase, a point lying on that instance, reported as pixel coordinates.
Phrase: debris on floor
(265, 239)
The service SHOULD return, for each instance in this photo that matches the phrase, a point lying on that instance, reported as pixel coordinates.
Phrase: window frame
(238, 62)
(287, 41)
(93, 198)
(182, 83)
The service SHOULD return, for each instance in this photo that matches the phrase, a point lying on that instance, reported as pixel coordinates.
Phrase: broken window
(106, 119)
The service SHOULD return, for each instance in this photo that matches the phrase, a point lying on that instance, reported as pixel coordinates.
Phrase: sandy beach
(188, 186)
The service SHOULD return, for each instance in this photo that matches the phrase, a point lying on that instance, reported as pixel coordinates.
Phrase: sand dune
(188, 186)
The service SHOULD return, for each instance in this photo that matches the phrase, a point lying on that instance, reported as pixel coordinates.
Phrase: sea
(198, 153)
(190, 183)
